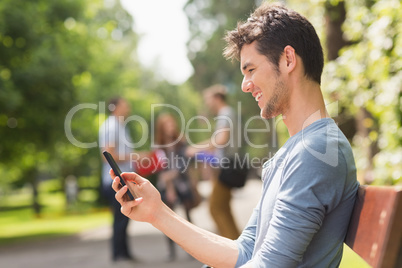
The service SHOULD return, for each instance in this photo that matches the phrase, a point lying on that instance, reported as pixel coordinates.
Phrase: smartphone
(117, 172)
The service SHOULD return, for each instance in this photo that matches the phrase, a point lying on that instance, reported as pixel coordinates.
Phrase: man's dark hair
(112, 103)
(217, 91)
(274, 27)
(220, 96)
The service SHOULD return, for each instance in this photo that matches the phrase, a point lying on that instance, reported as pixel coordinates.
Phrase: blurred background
(58, 55)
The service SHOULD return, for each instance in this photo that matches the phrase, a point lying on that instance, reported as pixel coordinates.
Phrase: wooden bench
(375, 229)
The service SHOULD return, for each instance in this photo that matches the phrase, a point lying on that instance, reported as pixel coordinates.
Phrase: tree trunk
(335, 16)
(32, 174)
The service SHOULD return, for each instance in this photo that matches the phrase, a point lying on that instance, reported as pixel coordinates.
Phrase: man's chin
(265, 115)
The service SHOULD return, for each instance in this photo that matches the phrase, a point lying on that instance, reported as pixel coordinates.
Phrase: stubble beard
(278, 102)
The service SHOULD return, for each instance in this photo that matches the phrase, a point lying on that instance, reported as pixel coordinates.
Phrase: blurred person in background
(174, 183)
(114, 137)
(223, 144)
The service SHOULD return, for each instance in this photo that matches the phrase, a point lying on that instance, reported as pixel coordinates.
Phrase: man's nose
(246, 85)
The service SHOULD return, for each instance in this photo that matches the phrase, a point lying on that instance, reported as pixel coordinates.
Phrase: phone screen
(117, 172)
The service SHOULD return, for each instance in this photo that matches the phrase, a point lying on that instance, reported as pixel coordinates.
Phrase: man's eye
(250, 70)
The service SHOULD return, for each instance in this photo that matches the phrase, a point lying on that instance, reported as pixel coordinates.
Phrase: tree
(39, 57)
(51, 52)
(366, 78)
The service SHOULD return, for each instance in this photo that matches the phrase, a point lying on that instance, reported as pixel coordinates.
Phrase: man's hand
(144, 208)
(210, 248)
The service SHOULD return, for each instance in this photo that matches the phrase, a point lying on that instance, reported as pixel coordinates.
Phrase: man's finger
(127, 208)
(133, 177)
(116, 185)
(112, 175)
(121, 195)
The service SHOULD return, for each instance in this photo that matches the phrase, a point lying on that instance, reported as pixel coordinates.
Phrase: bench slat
(375, 229)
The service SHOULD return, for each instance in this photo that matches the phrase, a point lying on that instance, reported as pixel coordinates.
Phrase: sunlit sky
(163, 28)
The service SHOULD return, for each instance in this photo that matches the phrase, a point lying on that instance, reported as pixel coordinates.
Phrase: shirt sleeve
(310, 188)
(246, 241)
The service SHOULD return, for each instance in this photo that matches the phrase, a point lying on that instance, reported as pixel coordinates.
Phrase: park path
(90, 249)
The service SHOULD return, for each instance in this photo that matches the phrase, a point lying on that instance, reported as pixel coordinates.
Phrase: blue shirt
(309, 189)
(227, 120)
(114, 134)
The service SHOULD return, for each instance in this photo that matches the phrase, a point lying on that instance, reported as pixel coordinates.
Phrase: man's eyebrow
(245, 66)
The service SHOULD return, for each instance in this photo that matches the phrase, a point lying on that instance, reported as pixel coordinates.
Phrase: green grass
(352, 260)
(21, 225)
(18, 222)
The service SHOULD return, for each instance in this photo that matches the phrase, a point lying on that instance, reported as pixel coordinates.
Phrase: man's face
(263, 81)
(123, 108)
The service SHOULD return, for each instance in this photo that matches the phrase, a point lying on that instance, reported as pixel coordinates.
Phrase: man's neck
(306, 105)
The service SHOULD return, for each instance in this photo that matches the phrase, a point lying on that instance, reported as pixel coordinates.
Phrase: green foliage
(36, 76)
(39, 56)
(368, 74)
(209, 20)
(54, 56)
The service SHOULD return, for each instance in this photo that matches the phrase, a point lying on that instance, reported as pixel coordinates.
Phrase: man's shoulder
(110, 121)
(109, 125)
(324, 144)
(226, 111)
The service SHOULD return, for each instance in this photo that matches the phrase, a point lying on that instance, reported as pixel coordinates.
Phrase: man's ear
(290, 58)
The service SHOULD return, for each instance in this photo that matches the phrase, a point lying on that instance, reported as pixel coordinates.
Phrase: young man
(309, 186)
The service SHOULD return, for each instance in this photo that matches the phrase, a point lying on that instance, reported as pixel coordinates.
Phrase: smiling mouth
(258, 97)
